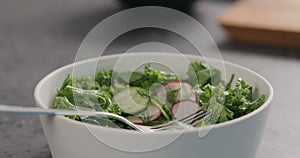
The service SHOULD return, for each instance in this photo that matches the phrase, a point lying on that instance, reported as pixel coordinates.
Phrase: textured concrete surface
(38, 36)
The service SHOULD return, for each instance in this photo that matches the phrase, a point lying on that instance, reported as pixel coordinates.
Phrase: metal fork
(190, 119)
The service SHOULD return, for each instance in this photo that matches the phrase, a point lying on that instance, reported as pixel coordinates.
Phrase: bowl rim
(39, 102)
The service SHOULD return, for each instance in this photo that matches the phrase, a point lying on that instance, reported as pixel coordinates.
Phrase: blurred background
(39, 36)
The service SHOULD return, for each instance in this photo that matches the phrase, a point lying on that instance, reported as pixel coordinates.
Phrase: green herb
(150, 77)
(226, 105)
(173, 95)
(83, 83)
(104, 78)
(240, 99)
(228, 85)
(145, 118)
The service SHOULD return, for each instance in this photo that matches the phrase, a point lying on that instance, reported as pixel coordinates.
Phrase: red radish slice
(151, 110)
(183, 91)
(184, 108)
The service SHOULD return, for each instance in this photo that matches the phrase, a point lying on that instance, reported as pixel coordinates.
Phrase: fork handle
(41, 111)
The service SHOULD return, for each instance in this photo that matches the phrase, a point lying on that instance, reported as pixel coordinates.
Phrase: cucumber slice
(152, 111)
(132, 100)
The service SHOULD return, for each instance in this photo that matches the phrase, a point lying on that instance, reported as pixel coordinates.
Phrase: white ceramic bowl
(239, 138)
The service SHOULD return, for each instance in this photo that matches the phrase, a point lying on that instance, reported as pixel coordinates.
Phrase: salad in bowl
(153, 97)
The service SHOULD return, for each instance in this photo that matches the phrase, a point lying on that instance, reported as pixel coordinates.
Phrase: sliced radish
(184, 108)
(152, 111)
(181, 91)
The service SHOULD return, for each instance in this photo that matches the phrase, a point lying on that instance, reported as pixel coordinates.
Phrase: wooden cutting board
(269, 22)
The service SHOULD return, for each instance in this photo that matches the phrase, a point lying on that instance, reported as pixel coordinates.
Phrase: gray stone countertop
(38, 36)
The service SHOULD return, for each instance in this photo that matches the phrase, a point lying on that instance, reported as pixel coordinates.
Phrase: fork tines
(191, 119)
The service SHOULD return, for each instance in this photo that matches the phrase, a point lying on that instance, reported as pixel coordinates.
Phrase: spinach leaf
(64, 103)
(91, 99)
(201, 74)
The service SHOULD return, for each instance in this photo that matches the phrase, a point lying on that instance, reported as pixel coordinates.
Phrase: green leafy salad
(153, 97)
